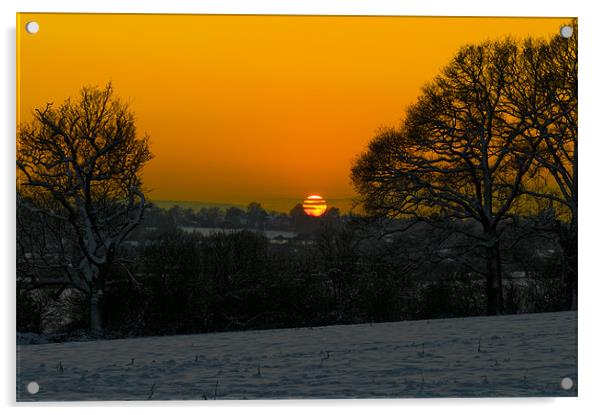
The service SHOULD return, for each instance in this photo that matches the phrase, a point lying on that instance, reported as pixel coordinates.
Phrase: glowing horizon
(250, 108)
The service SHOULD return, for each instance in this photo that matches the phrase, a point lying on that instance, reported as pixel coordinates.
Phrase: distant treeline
(254, 216)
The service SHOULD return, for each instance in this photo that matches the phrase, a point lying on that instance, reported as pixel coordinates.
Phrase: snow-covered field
(523, 355)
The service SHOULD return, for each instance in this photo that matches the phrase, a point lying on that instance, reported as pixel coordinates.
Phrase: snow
(31, 338)
(521, 355)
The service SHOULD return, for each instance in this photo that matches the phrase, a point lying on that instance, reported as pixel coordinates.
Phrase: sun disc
(314, 205)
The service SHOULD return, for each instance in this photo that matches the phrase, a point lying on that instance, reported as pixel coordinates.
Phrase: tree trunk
(96, 312)
(97, 303)
(495, 299)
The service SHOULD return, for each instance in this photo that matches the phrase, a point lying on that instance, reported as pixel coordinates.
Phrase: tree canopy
(80, 164)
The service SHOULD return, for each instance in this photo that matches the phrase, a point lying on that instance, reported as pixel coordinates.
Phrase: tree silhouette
(461, 155)
(235, 217)
(545, 95)
(80, 167)
(256, 215)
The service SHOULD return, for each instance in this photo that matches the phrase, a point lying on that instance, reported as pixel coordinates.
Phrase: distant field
(211, 231)
(278, 205)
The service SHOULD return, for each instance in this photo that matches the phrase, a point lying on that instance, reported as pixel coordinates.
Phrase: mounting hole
(566, 384)
(33, 388)
(566, 31)
(32, 27)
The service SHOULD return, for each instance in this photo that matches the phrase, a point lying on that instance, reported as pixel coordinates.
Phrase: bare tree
(458, 157)
(544, 94)
(80, 168)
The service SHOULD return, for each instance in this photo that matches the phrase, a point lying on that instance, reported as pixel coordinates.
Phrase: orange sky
(243, 108)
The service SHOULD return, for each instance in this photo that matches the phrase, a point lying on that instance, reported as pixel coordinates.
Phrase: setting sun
(242, 82)
(160, 166)
(314, 205)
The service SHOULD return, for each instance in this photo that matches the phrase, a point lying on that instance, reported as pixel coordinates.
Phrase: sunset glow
(250, 108)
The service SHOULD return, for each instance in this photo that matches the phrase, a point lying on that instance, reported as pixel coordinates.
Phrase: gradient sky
(243, 108)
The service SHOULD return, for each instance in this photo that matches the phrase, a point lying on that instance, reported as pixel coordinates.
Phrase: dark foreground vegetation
(341, 270)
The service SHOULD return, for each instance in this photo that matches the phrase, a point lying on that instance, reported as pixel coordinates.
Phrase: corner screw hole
(33, 388)
(566, 384)
(32, 28)
(566, 31)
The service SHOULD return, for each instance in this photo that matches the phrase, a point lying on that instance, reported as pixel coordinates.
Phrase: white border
(346, 7)
(590, 25)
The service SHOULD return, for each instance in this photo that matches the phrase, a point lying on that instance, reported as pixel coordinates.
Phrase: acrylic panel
(295, 207)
